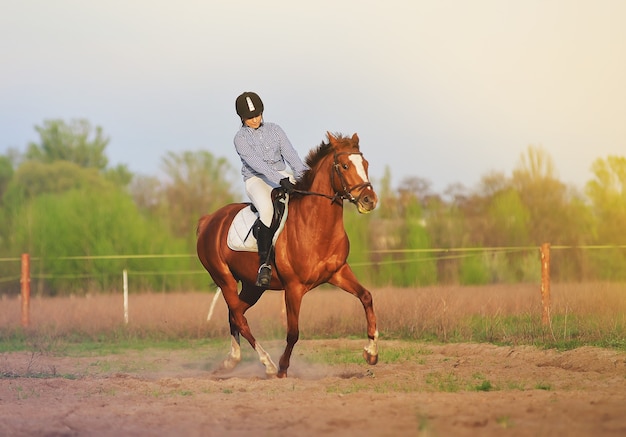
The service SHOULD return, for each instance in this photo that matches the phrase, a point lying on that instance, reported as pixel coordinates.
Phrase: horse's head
(350, 178)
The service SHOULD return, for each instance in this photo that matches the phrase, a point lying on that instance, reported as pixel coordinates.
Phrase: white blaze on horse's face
(357, 161)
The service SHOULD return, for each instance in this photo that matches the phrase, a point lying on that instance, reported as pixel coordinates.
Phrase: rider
(264, 150)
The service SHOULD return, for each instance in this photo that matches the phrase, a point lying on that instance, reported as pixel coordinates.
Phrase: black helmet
(249, 105)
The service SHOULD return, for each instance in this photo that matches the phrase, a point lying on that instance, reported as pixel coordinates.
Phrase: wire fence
(183, 271)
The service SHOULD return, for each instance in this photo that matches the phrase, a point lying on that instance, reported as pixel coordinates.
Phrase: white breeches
(260, 193)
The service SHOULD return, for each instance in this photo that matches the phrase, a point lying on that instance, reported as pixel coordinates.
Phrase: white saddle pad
(240, 236)
(240, 232)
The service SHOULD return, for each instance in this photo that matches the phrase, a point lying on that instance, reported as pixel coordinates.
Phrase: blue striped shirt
(266, 151)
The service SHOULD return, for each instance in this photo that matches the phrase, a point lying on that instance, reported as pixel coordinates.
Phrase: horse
(311, 249)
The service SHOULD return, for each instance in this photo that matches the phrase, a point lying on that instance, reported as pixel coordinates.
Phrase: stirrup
(264, 276)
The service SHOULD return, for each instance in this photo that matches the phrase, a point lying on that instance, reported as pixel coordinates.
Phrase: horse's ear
(355, 138)
(331, 137)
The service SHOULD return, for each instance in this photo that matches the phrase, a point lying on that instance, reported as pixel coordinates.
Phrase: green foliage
(358, 229)
(64, 187)
(474, 271)
(609, 264)
(33, 178)
(71, 213)
(119, 175)
(484, 385)
(400, 236)
(607, 192)
(75, 142)
(423, 270)
(509, 219)
(89, 223)
(480, 268)
(199, 183)
(6, 173)
(447, 382)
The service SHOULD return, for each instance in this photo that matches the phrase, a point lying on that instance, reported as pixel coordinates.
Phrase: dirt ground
(455, 389)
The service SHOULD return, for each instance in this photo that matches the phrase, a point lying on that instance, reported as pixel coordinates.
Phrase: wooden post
(125, 285)
(25, 281)
(545, 284)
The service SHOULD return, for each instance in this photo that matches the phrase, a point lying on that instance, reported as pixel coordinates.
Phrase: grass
(582, 315)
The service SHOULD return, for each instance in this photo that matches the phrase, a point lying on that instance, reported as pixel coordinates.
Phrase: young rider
(265, 152)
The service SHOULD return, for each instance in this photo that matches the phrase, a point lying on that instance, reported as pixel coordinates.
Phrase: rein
(346, 194)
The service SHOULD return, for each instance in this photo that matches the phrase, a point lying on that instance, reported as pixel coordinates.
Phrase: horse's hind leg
(234, 356)
(239, 325)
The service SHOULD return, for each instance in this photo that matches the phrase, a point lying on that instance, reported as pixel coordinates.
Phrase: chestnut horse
(311, 249)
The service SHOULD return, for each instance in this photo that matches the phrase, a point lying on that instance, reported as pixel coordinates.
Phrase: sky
(447, 91)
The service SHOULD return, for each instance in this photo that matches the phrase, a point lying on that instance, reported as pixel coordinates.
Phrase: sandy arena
(455, 389)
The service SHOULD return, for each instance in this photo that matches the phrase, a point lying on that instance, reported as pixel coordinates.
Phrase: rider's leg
(260, 193)
(264, 242)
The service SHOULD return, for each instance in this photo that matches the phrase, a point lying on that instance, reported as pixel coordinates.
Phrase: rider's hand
(287, 185)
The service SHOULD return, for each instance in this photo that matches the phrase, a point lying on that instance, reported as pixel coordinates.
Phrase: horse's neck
(317, 208)
(320, 212)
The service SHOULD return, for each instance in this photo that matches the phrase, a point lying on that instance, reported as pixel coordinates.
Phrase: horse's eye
(345, 166)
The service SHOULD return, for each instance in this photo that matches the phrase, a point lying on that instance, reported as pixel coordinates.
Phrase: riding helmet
(249, 105)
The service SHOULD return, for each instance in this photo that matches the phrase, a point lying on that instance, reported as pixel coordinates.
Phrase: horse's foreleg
(266, 360)
(293, 300)
(344, 278)
(370, 352)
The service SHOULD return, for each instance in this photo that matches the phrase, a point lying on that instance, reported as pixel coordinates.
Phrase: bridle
(346, 191)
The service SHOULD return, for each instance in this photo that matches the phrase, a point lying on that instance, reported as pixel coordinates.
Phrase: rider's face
(254, 122)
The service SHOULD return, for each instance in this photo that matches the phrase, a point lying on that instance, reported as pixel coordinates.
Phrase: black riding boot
(264, 242)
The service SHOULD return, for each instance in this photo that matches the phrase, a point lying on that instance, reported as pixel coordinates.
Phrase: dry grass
(581, 313)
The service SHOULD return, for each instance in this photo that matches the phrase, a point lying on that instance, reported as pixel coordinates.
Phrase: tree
(6, 174)
(359, 230)
(398, 232)
(68, 231)
(416, 187)
(76, 142)
(475, 210)
(556, 212)
(119, 175)
(33, 178)
(421, 268)
(607, 192)
(147, 193)
(198, 183)
(546, 198)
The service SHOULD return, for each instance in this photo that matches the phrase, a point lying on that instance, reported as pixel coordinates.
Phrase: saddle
(243, 229)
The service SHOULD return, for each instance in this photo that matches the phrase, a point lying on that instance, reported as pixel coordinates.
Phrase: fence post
(25, 281)
(545, 284)
(125, 285)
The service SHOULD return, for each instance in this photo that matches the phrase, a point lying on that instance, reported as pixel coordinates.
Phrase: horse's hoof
(281, 374)
(371, 359)
(228, 365)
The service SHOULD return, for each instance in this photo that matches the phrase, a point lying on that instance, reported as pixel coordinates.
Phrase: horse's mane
(317, 154)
